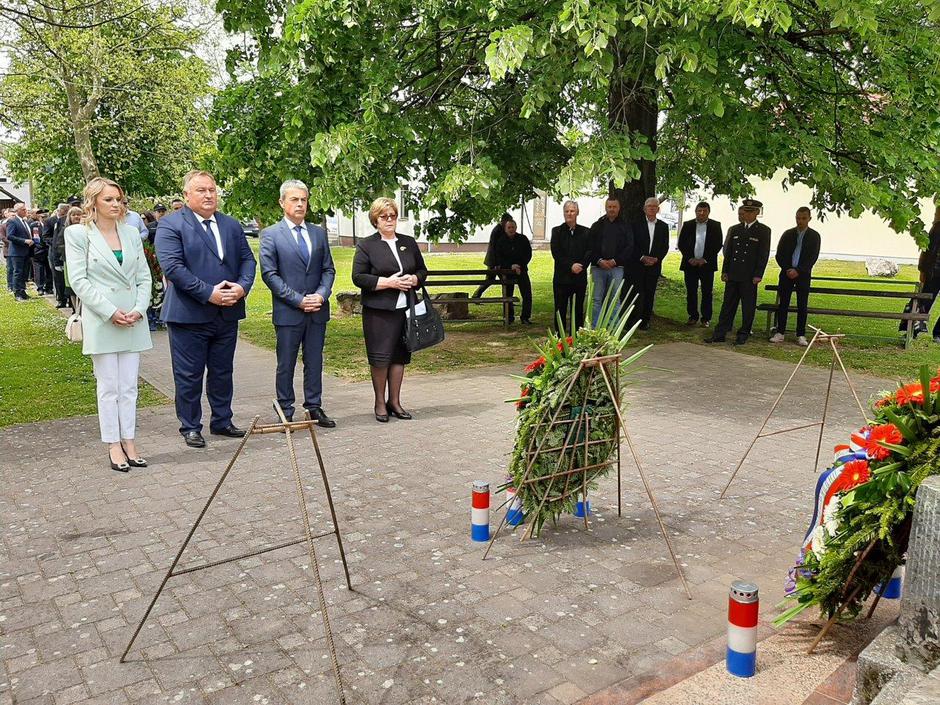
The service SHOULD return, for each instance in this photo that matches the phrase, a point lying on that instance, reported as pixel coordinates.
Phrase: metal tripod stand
(287, 428)
(818, 337)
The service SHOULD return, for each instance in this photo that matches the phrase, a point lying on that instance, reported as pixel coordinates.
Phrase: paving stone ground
(550, 621)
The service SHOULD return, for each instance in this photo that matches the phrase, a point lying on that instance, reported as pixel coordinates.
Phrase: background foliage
(110, 87)
(480, 102)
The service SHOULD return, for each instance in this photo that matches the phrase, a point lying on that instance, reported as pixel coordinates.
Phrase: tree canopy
(480, 102)
(109, 87)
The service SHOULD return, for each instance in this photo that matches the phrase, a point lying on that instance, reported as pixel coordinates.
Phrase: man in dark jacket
(929, 267)
(53, 236)
(746, 253)
(514, 251)
(570, 251)
(797, 253)
(650, 246)
(610, 248)
(699, 243)
(489, 259)
(21, 243)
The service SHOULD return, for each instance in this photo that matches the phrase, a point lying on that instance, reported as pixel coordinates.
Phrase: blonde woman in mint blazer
(108, 272)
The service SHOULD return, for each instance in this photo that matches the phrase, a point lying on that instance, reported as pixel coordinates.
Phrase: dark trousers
(565, 294)
(932, 286)
(786, 288)
(42, 275)
(525, 292)
(203, 351)
(310, 334)
(643, 280)
(17, 265)
(9, 268)
(696, 277)
(58, 282)
(744, 293)
(490, 280)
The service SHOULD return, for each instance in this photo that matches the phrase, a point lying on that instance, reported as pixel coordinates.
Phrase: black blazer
(374, 259)
(623, 251)
(809, 253)
(568, 249)
(642, 246)
(513, 250)
(929, 262)
(713, 242)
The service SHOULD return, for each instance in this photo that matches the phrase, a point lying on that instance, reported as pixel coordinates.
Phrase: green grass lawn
(871, 346)
(44, 376)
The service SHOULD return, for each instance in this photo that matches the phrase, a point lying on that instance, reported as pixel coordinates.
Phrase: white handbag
(73, 326)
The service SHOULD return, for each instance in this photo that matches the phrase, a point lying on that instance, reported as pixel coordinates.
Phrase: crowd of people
(117, 262)
(626, 254)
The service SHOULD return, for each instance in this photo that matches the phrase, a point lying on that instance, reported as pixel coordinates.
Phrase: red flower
(526, 391)
(537, 365)
(853, 474)
(910, 394)
(888, 433)
(569, 340)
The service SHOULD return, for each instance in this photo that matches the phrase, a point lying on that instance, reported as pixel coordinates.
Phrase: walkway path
(546, 622)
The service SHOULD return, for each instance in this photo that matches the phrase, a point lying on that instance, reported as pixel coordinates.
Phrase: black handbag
(422, 330)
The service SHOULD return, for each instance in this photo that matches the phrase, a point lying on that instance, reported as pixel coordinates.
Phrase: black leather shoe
(740, 340)
(62, 304)
(230, 431)
(289, 417)
(321, 418)
(714, 339)
(644, 326)
(194, 439)
(401, 414)
(526, 322)
(119, 467)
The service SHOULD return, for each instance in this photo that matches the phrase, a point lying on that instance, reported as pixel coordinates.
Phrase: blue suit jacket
(191, 264)
(282, 269)
(17, 235)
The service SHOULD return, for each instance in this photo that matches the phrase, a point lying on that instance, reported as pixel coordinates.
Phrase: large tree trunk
(633, 107)
(81, 114)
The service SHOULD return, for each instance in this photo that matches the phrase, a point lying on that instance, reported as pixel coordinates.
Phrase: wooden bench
(912, 317)
(470, 278)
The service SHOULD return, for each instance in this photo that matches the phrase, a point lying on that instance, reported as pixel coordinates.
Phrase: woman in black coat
(387, 266)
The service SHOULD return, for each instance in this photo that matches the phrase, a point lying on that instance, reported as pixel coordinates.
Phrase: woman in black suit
(387, 266)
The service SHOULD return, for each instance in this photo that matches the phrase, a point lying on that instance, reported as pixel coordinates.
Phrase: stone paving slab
(548, 621)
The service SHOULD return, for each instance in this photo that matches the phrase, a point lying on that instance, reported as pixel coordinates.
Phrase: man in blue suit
(209, 269)
(297, 266)
(21, 242)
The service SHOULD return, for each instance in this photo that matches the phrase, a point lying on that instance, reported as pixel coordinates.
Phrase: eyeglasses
(388, 216)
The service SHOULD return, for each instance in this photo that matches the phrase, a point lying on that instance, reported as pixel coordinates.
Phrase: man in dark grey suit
(297, 267)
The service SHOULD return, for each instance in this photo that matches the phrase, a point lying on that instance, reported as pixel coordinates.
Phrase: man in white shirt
(699, 244)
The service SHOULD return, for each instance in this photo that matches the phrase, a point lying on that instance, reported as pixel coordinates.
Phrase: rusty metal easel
(287, 428)
(819, 336)
(572, 446)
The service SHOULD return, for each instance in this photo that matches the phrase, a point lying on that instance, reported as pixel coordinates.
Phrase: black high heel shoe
(403, 415)
(118, 467)
(381, 418)
(137, 462)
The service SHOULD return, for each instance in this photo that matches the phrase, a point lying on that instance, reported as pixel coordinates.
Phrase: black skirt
(384, 332)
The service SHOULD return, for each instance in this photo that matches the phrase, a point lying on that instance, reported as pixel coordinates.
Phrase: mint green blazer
(104, 286)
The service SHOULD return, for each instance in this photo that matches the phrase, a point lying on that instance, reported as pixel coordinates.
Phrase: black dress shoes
(321, 418)
(740, 340)
(230, 431)
(194, 439)
(381, 418)
(399, 414)
(645, 325)
(715, 339)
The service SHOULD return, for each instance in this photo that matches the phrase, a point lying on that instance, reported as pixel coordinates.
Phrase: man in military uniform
(747, 250)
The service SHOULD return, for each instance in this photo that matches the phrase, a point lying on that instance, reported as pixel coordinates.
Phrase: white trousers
(116, 374)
